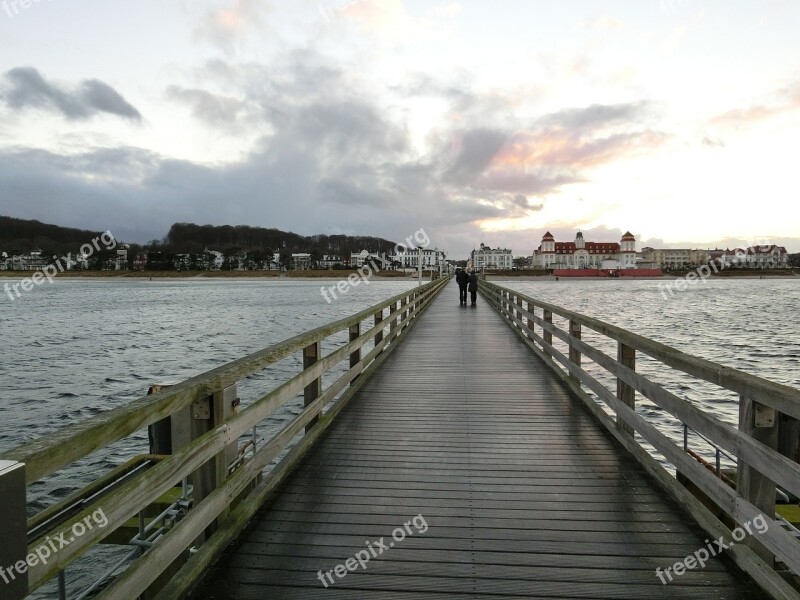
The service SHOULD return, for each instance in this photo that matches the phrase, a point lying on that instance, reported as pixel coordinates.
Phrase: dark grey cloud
(25, 88)
(476, 149)
(330, 157)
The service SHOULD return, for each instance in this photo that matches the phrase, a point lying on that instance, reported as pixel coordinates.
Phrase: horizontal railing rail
(242, 484)
(768, 414)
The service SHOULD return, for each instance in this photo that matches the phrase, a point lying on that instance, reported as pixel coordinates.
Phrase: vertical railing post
(574, 353)
(14, 548)
(404, 314)
(393, 308)
(626, 356)
(314, 389)
(760, 423)
(379, 327)
(521, 324)
(547, 317)
(355, 355)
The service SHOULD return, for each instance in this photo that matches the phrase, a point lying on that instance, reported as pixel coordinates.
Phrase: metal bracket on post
(201, 409)
(764, 415)
(14, 549)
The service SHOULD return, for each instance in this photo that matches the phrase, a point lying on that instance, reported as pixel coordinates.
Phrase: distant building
(301, 261)
(121, 262)
(755, 257)
(140, 261)
(357, 259)
(492, 258)
(581, 254)
(28, 262)
(4, 261)
(408, 258)
(328, 261)
(675, 258)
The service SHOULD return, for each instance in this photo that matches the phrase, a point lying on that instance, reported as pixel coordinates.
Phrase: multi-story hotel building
(492, 258)
(581, 254)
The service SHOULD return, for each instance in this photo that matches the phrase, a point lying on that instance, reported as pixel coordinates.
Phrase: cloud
(224, 27)
(26, 88)
(213, 109)
(712, 142)
(783, 101)
(560, 148)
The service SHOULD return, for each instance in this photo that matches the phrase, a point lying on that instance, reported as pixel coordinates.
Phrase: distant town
(256, 249)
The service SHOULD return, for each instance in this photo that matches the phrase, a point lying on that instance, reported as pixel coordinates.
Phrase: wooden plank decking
(523, 493)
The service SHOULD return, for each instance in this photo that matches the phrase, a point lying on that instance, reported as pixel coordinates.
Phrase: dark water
(76, 348)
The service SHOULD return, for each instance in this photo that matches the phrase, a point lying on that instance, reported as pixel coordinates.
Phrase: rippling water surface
(76, 348)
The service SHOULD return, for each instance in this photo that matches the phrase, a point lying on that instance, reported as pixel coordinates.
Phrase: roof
(628, 237)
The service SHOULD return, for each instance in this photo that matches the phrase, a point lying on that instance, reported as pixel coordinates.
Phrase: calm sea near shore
(79, 347)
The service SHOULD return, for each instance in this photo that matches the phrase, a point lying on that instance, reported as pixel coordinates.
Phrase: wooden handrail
(759, 463)
(54, 451)
(135, 495)
(781, 397)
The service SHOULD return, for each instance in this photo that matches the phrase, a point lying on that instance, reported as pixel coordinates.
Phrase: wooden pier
(478, 423)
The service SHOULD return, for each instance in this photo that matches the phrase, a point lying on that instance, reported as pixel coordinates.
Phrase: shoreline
(331, 275)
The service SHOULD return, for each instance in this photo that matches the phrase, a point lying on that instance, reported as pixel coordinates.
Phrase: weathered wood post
(355, 355)
(404, 314)
(626, 356)
(789, 440)
(521, 325)
(395, 319)
(761, 423)
(547, 317)
(574, 353)
(172, 433)
(378, 325)
(311, 354)
(14, 549)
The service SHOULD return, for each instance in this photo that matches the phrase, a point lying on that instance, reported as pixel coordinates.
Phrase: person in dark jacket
(462, 279)
(473, 286)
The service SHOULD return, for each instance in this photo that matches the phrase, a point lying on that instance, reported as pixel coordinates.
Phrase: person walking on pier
(473, 286)
(462, 279)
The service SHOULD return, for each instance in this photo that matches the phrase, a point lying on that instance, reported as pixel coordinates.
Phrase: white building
(301, 261)
(581, 254)
(755, 257)
(492, 258)
(357, 259)
(328, 261)
(408, 259)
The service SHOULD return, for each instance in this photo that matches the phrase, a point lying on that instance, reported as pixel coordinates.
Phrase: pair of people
(467, 280)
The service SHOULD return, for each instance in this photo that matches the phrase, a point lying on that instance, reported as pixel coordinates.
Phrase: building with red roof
(581, 254)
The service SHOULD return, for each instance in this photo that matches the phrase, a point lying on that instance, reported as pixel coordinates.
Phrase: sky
(477, 121)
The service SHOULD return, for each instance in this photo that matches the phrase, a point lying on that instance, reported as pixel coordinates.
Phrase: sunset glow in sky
(480, 121)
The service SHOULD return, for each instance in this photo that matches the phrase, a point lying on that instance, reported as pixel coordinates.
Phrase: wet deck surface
(516, 490)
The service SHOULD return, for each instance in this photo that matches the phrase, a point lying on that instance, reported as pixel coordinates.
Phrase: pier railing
(764, 445)
(178, 530)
